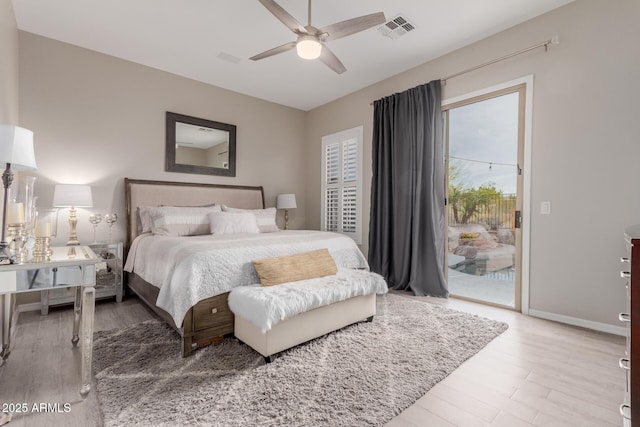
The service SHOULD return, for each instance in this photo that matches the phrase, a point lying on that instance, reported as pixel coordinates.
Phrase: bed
(193, 298)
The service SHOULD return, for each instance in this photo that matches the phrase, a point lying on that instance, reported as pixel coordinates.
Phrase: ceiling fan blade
(331, 60)
(352, 26)
(284, 16)
(274, 51)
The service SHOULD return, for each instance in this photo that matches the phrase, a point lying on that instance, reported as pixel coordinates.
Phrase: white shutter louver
(349, 209)
(350, 160)
(332, 162)
(332, 206)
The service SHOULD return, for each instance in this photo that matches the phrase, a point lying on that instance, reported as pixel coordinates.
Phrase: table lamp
(16, 150)
(72, 196)
(286, 202)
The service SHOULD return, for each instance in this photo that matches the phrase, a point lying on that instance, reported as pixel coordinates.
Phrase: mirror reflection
(200, 146)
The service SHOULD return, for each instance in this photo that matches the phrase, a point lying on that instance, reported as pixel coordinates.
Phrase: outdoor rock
(469, 252)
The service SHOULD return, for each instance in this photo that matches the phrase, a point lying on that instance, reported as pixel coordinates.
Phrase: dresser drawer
(630, 409)
(213, 313)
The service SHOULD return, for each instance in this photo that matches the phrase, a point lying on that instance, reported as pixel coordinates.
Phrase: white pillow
(144, 219)
(180, 220)
(266, 218)
(233, 222)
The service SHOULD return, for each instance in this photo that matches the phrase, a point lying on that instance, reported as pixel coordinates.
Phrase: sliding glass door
(485, 139)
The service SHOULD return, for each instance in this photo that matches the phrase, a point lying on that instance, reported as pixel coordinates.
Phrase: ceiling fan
(311, 40)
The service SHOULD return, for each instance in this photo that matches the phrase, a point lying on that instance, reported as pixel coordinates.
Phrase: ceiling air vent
(396, 27)
(229, 58)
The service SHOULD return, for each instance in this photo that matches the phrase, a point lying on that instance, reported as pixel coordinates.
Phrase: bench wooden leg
(369, 319)
(268, 359)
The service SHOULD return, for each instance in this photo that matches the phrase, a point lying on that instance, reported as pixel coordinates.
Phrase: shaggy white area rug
(361, 375)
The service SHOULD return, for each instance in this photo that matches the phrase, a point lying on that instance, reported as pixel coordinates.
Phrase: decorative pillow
(266, 218)
(144, 217)
(180, 220)
(232, 222)
(306, 265)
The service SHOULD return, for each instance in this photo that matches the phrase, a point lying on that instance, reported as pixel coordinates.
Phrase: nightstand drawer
(213, 313)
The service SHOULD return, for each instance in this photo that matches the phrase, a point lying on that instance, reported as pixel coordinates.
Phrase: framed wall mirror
(200, 146)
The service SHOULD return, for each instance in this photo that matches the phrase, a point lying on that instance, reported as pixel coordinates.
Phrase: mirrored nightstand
(80, 262)
(108, 277)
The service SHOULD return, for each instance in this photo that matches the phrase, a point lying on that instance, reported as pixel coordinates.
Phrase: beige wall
(585, 144)
(98, 119)
(203, 157)
(191, 156)
(8, 64)
(214, 156)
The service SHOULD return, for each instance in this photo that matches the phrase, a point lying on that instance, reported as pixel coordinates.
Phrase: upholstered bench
(271, 319)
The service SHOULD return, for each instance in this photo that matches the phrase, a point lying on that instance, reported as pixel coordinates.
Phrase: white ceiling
(187, 37)
(199, 136)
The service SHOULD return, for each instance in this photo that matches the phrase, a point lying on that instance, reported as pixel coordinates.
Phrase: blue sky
(482, 133)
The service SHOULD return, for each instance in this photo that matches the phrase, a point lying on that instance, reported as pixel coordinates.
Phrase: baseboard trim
(34, 306)
(574, 321)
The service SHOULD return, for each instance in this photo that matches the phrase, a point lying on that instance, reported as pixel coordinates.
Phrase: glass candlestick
(42, 249)
(111, 219)
(18, 238)
(27, 187)
(46, 222)
(45, 229)
(95, 219)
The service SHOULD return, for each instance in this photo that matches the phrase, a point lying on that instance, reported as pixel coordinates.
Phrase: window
(342, 183)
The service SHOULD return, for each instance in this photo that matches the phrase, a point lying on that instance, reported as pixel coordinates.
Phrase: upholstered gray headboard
(156, 193)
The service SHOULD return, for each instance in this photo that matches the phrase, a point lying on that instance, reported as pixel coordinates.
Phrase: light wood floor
(537, 373)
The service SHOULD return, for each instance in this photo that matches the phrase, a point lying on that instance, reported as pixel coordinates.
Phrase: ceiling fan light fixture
(308, 47)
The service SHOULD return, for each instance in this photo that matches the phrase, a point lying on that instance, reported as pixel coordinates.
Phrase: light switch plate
(545, 208)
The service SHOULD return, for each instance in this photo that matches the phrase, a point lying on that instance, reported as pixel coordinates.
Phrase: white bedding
(190, 269)
(264, 306)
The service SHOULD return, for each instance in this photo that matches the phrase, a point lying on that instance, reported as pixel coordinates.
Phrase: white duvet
(190, 269)
(264, 306)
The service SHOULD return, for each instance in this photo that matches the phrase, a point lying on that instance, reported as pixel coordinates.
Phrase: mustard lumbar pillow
(292, 268)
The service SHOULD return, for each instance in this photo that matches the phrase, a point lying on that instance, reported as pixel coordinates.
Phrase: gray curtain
(406, 229)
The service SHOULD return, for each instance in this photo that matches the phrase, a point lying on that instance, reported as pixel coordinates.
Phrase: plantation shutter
(342, 183)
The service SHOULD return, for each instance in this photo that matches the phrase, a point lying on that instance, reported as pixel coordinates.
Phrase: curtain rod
(545, 44)
(554, 40)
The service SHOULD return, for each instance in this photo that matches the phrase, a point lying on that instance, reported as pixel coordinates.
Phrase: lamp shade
(16, 148)
(286, 201)
(72, 195)
(308, 47)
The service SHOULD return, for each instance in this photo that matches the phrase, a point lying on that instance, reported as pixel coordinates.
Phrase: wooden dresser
(630, 408)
